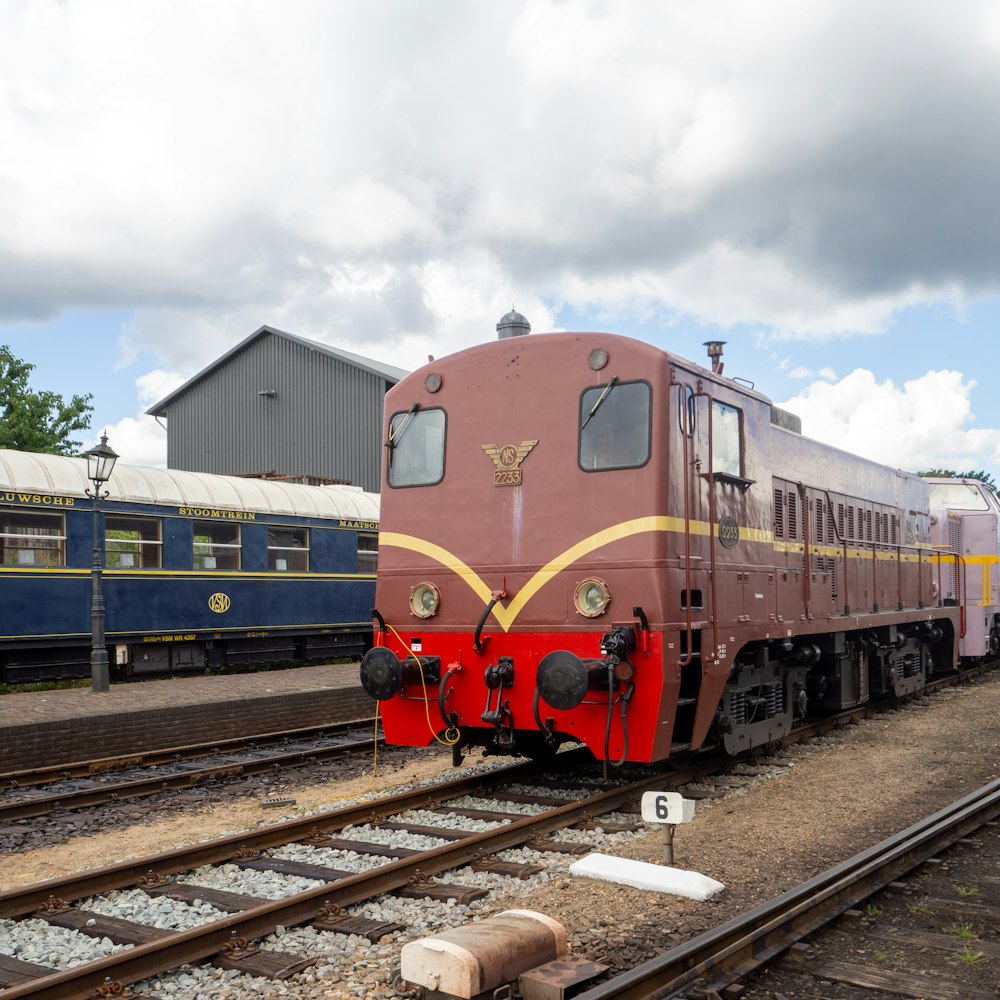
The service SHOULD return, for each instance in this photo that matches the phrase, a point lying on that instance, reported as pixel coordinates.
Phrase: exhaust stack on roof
(715, 353)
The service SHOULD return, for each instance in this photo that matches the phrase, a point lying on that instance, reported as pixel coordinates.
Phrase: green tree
(980, 474)
(37, 421)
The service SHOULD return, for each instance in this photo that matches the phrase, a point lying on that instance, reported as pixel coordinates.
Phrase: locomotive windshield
(957, 496)
(416, 448)
(615, 426)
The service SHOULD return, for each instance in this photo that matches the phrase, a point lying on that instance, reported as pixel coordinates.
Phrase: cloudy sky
(815, 183)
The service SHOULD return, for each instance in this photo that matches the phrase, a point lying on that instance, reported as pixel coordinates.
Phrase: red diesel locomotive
(586, 538)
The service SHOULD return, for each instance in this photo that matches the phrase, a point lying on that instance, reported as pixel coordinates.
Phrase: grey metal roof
(389, 372)
(61, 475)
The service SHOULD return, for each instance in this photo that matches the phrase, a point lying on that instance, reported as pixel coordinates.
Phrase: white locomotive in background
(965, 530)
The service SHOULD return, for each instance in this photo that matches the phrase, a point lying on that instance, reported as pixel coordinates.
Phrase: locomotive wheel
(679, 759)
(995, 642)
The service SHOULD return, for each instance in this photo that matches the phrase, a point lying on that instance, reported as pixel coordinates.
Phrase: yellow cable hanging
(446, 742)
(371, 780)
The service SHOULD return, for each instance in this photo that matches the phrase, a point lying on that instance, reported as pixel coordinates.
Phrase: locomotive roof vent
(512, 325)
(783, 418)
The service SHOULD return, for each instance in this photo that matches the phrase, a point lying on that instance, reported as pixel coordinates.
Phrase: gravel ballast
(773, 823)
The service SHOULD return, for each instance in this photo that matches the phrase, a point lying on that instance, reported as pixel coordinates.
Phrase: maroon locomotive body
(586, 538)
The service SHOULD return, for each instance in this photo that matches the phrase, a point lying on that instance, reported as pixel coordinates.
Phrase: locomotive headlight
(592, 597)
(424, 600)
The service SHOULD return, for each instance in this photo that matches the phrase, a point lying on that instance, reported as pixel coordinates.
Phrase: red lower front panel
(414, 717)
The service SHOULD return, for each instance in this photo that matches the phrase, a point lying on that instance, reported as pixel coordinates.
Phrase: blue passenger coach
(200, 570)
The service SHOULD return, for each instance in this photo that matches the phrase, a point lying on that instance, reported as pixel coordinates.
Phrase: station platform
(54, 727)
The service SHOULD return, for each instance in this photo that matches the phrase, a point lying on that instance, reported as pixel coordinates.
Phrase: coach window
(132, 542)
(30, 539)
(727, 457)
(216, 545)
(367, 552)
(288, 550)
(615, 426)
(416, 447)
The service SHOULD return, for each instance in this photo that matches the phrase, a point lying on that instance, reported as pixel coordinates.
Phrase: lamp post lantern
(100, 464)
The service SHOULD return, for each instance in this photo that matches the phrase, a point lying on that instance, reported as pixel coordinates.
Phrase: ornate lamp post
(100, 464)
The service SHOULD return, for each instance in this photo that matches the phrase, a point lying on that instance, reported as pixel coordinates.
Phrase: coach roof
(27, 472)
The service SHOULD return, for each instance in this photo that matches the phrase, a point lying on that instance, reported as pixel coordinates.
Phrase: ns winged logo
(507, 460)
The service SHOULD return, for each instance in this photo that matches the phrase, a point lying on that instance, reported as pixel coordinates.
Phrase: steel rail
(33, 777)
(26, 899)
(140, 787)
(202, 943)
(720, 957)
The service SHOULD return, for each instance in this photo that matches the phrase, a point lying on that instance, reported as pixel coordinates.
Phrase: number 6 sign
(666, 807)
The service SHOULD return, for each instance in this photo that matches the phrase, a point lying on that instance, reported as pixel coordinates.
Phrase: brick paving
(46, 727)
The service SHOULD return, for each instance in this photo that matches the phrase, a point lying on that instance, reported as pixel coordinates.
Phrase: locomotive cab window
(288, 550)
(132, 542)
(727, 450)
(687, 410)
(30, 539)
(957, 496)
(615, 426)
(216, 545)
(416, 448)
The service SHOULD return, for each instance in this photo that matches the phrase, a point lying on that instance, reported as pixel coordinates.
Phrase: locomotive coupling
(384, 674)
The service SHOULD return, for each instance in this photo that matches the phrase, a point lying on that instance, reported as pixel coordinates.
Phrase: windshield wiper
(396, 435)
(600, 400)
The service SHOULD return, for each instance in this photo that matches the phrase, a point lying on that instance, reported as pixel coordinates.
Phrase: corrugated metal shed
(280, 403)
(24, 472)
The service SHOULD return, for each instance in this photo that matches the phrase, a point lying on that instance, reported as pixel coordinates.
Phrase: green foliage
(967, 890)
(37, 421)
(962, 931)
(980, 474)
(969, 957)
(873, 910)
(42, 686)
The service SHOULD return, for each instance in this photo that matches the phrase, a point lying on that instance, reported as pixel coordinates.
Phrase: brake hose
(476, 640)
(442, 693)
(626, 698)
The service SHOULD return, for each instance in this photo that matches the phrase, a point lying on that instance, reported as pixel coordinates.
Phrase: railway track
(466, 822)
(36, 793)
(713, 964)
(473, 836)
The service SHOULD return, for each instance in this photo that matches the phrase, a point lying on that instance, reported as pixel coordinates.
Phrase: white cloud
(744, 163)
(390, 178)
(801, 373)
(925, 423)
(139, 441)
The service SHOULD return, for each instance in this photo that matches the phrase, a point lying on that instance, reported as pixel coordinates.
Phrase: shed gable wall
(324, 419)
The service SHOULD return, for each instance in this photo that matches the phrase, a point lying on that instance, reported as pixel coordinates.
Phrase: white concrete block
(641, 875)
